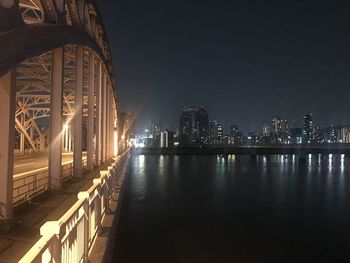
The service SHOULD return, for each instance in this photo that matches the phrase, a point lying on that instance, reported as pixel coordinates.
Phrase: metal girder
(31, 11)
(34, 73)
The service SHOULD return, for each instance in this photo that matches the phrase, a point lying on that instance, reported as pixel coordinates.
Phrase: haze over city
(245, 61)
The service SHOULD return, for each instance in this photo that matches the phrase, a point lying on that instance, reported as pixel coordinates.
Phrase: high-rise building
(279, 126)
(332, 134)
(343, 134)
(307, 128)
(240, 139)
(266, 129)
(202, 124)
(233, 130)
(187, 121)
(284, 127)
(155, 130)
(193, 125)
(296, 135)
(216, 132)
(164, 139)
(276, 124)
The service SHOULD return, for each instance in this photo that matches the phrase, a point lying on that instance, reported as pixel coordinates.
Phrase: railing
(26, 186)
(30, 184)
(71, 238)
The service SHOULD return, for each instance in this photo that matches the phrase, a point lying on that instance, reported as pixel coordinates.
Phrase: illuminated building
(307, 128)
(166, 139)
(343, 134)
(193, 125)
(266, 129)
(216, 132)
(296, 135)
(233, 130)
(279, 126)
(202, 124)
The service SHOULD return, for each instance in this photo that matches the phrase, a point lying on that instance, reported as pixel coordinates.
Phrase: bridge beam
(91, 103)
(78, 111)
(55, 137)
(7, 113)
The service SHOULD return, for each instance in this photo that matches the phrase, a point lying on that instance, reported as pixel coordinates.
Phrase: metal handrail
(71, 238)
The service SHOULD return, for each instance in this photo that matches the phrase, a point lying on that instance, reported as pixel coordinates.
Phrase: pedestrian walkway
(30, 217)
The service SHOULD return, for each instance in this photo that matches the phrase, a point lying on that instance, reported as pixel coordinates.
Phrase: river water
(272, 208)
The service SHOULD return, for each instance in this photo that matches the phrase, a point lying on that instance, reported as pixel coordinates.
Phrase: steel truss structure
(56, 75)
(33, 97)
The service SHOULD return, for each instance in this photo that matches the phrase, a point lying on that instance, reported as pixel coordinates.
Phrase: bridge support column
(111, 121)
(108, 124)
(55, 137)
(91, 103)
(78, 112)
(111, 124)
(115, 129)
(104, 115)
(7, 132)
(98, 114)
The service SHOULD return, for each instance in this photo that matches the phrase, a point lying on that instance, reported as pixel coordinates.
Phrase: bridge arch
(56, 71)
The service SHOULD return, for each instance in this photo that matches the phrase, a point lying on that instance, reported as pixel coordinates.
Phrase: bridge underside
(57, 89)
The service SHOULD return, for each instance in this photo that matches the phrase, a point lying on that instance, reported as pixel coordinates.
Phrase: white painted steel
(71, 238)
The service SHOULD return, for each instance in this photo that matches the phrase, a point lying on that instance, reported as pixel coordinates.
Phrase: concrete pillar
(113, 129)
(78, 112)
(91, 103)
(55, 137)
(111, 125)
(7, 132)
(107, 124)
(104, 116)
(98, 114)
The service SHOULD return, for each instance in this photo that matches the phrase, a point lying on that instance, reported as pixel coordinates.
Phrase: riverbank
(249, 150)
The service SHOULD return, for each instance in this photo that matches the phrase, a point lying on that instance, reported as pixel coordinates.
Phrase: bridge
(59, 111)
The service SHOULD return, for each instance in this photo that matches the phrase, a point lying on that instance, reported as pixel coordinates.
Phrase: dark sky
(245, 61)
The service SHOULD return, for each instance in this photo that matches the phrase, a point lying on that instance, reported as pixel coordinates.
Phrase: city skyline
(292, 122)
(195, 128)
(242, 61)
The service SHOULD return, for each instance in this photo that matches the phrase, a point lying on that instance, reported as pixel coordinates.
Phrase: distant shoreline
(248, 150)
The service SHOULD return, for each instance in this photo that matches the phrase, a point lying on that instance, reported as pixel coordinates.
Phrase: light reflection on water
(236, 208)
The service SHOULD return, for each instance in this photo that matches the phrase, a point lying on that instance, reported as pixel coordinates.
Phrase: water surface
(235, 209)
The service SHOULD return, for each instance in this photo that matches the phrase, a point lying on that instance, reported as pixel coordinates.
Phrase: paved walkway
(29, 218)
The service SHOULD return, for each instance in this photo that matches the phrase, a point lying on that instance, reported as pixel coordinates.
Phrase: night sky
(245, 61)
